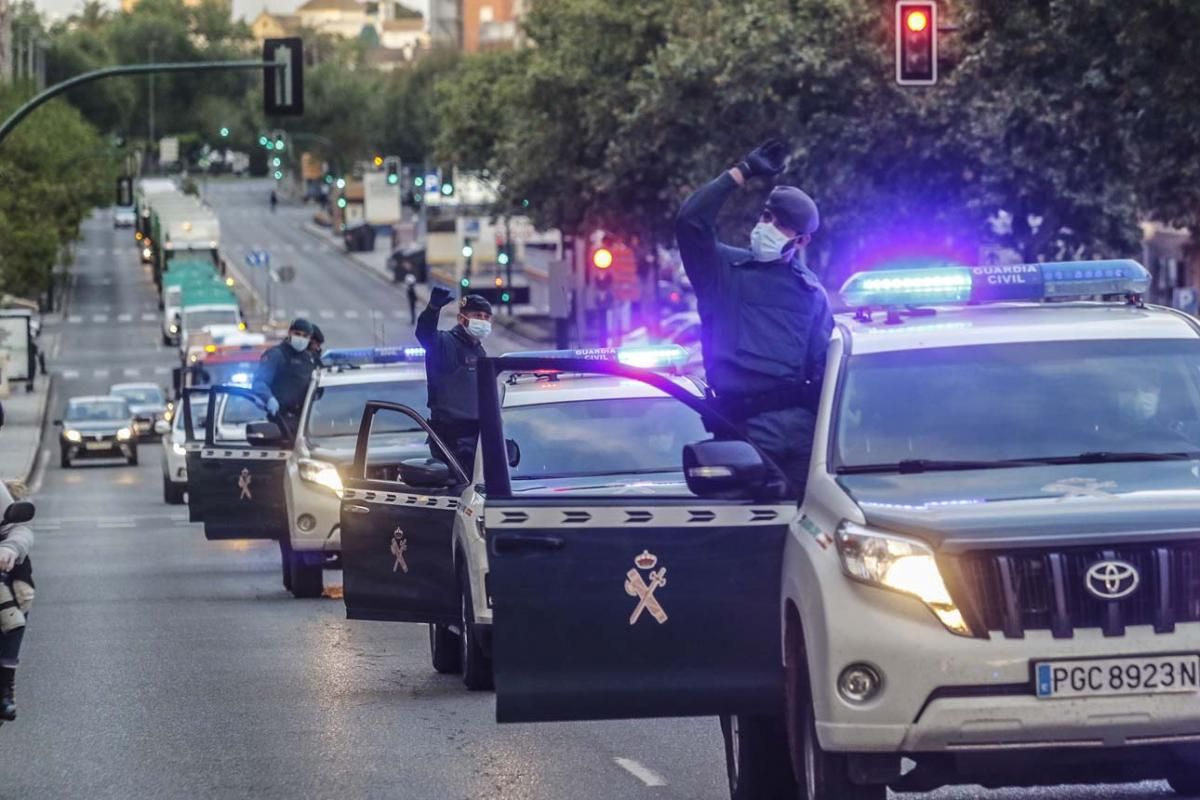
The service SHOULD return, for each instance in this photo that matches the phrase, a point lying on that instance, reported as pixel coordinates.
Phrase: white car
(413, 539)
(147, 402)
(124, 217)
(325, 446)
(174, 438)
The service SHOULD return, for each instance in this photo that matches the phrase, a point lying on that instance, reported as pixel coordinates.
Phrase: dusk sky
(241, 8)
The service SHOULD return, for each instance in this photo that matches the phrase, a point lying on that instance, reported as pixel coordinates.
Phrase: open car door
(629, 606)
(193, 404)
(397, 524)
(238, 478)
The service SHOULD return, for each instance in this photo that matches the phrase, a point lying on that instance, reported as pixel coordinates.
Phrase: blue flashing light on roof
(653, 357)
(994, 283)
(241, 378)
(365, 356)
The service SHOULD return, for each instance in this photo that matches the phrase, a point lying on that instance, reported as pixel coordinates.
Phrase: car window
(142, 395)
(195, 320)
(1020, 400)
(97, 411)
(338, 410)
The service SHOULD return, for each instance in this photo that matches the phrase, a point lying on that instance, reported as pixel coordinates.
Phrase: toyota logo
(1112, 580)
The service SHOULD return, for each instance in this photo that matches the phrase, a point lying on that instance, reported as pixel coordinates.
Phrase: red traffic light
(916, 42)
(916, 21)
(602, 258)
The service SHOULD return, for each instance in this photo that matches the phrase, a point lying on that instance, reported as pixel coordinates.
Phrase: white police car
(414, 540)
(329, 427)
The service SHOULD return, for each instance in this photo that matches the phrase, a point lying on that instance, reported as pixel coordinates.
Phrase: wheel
(444, 650)
(476, 668)
(285, 559)
(306, 579)
(821, 775)
(757, 762)
(64, 460)
(172, 494)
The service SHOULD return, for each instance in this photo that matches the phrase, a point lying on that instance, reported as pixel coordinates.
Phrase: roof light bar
(364, 356)
(654, 357)
(994, 283)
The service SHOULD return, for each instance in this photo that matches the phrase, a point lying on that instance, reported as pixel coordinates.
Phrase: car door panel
(397, 557)
(194, 407)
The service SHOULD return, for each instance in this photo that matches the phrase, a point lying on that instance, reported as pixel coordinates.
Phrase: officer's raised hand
(767, 160)
(440, 297)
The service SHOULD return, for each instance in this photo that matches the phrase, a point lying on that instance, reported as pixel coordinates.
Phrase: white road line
(351, 314)
(131, 372)
(116, 524)
(149, 317)
(643, 774)
(302, 312)
(125, 318)
(74, 319)
(397, 313)
(325, 313)
(68, 374)
(162, 370)
(99, 373)
(100, 318)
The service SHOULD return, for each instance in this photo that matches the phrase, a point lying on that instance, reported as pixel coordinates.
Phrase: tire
(172, 494)
(757, 762)
(444, 650)
(64, 460)
(285, 562)
(307, 580)
(476, 668)
(821, 775)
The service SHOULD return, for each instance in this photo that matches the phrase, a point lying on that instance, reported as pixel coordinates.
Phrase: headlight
(124, 435)
(174, 329)
(321, 473)
(901, 564)
(178, 448)
(73, 436)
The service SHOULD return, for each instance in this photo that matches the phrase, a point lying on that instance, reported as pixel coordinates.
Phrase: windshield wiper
(910, 466)
(1115, 457)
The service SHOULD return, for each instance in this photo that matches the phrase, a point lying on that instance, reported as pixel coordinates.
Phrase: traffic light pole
(129, 69)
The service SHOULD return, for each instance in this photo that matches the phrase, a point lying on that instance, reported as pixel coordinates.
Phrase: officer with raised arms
(766, 320)
(281, 379)
(451, 369)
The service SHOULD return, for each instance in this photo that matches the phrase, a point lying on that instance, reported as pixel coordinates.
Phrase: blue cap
(794, 209)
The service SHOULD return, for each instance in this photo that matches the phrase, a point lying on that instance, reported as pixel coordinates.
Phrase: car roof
(135, 385)
(96, 398)
(529, 391)
(1007, 323)
(335, 376)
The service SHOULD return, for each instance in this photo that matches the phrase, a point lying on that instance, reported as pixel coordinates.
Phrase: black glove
(768, 160)
(440, 297)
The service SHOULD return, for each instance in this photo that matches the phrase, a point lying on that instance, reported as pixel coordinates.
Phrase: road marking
(100, 318)
(643, 774)
(68, 374)
(302, 312)
(149, 317)
(74, 319)
(397, 313)
(116, 524)
(125, 318)
(99, 373)
(351, 314)
(162, 370)
(325, 313)
(131, 372)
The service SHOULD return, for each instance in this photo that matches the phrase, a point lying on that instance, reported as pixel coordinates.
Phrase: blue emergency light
(371, 356)
(664, 356)
(995, 283)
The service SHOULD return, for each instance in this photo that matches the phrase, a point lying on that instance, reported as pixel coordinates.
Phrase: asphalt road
(159, 665)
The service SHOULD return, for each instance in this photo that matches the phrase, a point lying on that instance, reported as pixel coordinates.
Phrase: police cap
(794, 209)
(302, 325)
(317, 335)
(474, 302)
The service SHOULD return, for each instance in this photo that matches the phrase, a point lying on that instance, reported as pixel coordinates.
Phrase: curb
(35, 460)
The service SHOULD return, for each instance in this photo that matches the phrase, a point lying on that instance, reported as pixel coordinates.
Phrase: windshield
(1020, 401)
(338, 410)
(97, 411)
(195, 320)
(601, 437)
(238, 373)
(140, 395)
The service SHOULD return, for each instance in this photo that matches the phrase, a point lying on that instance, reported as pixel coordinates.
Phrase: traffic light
(916, 43)
(393, 172)
(276, 162)
(283, 84)
(278, 175)
(264, 141)
(602, 259)
(378, 161)
(224, 133)
(279, 144)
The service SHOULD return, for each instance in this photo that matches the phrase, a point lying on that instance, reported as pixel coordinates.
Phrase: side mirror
(162, 427)
(425, 473)
(513, 451)
(263, 433)
(730, 470)
(19, 512)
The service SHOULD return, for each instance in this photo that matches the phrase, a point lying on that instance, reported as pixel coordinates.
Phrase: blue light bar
(366, 356)
(995, 283)
(652, 357)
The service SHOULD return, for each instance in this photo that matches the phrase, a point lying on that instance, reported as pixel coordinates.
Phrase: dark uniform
(451, 359)
(283, 373)
(765, 328)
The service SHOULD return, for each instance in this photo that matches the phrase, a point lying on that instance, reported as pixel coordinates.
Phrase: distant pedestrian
(274, 201)
(410, 283)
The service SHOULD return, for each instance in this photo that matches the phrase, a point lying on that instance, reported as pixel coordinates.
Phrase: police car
(329, 427)
(414, 536)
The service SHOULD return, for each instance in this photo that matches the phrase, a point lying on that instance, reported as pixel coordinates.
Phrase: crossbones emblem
(399, 545)
(635, 586)
(244, 485)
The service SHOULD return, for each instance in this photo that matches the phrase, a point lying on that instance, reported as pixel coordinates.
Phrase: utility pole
(150, 57)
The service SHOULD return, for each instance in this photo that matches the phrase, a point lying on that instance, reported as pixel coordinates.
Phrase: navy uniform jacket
(764, 325)
(284, 374)
(451, 359)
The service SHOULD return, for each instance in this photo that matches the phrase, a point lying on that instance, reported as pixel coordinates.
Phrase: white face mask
(767, 242)
(1145, 404)
(298, 343)
(479, 328)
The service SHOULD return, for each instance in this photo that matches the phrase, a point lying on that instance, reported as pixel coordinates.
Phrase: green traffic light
(341, 202)
(504, 298)
(393, 179)
(502, 259)
(276, 162)
(278, 175)
(224, 131)
(447, 189)
(264, 141)
(525, 203)
(465, 282)
(418, 181)
(279, 144)
(468, 251)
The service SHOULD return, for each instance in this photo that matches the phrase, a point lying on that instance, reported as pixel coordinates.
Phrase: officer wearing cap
(451, 359)
(281, 379)
(316, 344)
(765, 318)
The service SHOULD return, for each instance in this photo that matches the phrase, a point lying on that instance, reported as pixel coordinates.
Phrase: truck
(205, 306)
(183, 275)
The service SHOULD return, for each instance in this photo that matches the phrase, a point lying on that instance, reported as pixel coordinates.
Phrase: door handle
(525, 543)
(353, 509)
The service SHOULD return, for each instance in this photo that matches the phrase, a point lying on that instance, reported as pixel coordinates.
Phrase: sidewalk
(21, 437)
(531, 332)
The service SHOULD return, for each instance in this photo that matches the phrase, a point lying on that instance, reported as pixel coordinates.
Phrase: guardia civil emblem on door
(643, 590)
(244, 485)
(398, 548)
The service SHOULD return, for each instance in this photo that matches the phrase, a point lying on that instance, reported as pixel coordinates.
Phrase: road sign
(258, 258)
(284, 86)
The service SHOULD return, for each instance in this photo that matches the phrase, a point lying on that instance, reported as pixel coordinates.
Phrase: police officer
(316, 344)
(765, 317)
(281, 379)
(451, 359)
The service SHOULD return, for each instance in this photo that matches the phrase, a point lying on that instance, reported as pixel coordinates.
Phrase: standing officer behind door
(451, 359)
(765, 318)
(281, 379)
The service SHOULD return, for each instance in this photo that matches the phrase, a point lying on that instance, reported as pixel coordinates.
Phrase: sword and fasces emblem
(636, 586)
(398, 548)
(244, 485)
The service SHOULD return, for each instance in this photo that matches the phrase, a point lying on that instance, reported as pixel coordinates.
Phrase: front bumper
(318, 508)
(945, 693)
(107, 448)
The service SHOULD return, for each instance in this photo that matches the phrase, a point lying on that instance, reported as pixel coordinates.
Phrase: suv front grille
(1045, 589)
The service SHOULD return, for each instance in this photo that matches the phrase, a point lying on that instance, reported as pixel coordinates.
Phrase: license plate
(99, 446)
(1105, 677)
